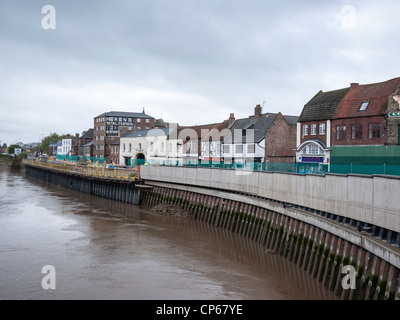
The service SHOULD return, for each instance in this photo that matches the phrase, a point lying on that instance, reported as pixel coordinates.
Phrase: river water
(104, 249)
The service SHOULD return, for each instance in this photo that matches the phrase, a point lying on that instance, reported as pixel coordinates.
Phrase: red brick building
(363, 118)
(358, 125)
(314, 138)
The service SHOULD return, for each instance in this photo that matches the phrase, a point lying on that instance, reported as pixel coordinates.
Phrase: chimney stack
(257, 111)
(231, 118)
(354, 84)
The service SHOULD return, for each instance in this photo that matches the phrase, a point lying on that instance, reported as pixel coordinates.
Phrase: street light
(40, 141)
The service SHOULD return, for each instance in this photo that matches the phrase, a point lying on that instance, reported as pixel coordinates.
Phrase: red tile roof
(377, 94)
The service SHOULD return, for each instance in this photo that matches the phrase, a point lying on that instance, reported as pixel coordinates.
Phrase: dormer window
(364, 106)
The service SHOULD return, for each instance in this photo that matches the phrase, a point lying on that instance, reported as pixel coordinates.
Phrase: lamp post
(40, 141)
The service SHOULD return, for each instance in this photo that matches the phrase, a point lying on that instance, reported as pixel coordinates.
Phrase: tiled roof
(159, 123)
(87, 134)
(377, 94)
(156, 132)
(291, 120)
(89, 144)
(200, 130)
(125, 114)
(259, 124)
(323, 105)
(218, 127)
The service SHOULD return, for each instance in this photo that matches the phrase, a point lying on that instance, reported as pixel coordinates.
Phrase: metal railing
(99, 172)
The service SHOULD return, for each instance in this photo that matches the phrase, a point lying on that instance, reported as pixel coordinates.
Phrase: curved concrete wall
(374, 200)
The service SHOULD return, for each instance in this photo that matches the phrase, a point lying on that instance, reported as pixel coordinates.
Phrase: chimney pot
(257, 111)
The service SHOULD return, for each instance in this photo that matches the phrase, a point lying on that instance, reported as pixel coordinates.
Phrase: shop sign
(312, 159)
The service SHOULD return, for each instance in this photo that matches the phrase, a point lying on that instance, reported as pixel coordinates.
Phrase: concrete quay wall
(371, 199)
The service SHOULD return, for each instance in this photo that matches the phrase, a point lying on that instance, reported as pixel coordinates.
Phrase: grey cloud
(209, 57)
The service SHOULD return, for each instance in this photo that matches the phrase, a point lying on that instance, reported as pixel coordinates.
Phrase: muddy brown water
(104, 249)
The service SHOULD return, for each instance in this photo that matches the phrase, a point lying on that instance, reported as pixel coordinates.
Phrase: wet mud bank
(349, 271)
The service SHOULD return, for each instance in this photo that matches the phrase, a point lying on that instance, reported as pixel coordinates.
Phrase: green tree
(52, 138)
(11, 148)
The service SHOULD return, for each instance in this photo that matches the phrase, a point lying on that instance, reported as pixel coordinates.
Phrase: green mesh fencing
(303, 168)
(386, 169)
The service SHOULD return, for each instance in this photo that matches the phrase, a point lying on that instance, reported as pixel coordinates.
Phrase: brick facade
(359, 131)
(319, 134)
(393, 123)
(280, 141)
(108, 127)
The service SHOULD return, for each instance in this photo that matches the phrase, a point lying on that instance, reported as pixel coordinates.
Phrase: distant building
(280, 139)
(158, 145)
(246, 141)
(85, 138)
(211, 143)
(87, 150)
(3, 148)
(192, 137)
(114, 152)
(59, 148)
(108, 125)
(314, 127)
(70, 145)
(357, 125)
(53, 148)
(366, 125)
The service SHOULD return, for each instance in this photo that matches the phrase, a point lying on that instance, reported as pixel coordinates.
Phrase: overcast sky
(186, 61)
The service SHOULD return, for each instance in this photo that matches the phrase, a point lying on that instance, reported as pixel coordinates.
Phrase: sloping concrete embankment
(321, 223)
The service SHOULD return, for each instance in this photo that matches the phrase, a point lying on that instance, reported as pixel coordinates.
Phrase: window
(312, 149)
(322, 128)
(138, 128)
(356, 132)
(162, 146)
(191, 146)
(170, 147)
(137, 120)
(130, 147)
(305, 130)
(151, 146)
(340, 132)
(147, 120)
(364, 106)
(123, 147)
(251, 148)
(239, 148)
(140, 146)
(313, 129)
(374, 131)
(226, 149)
